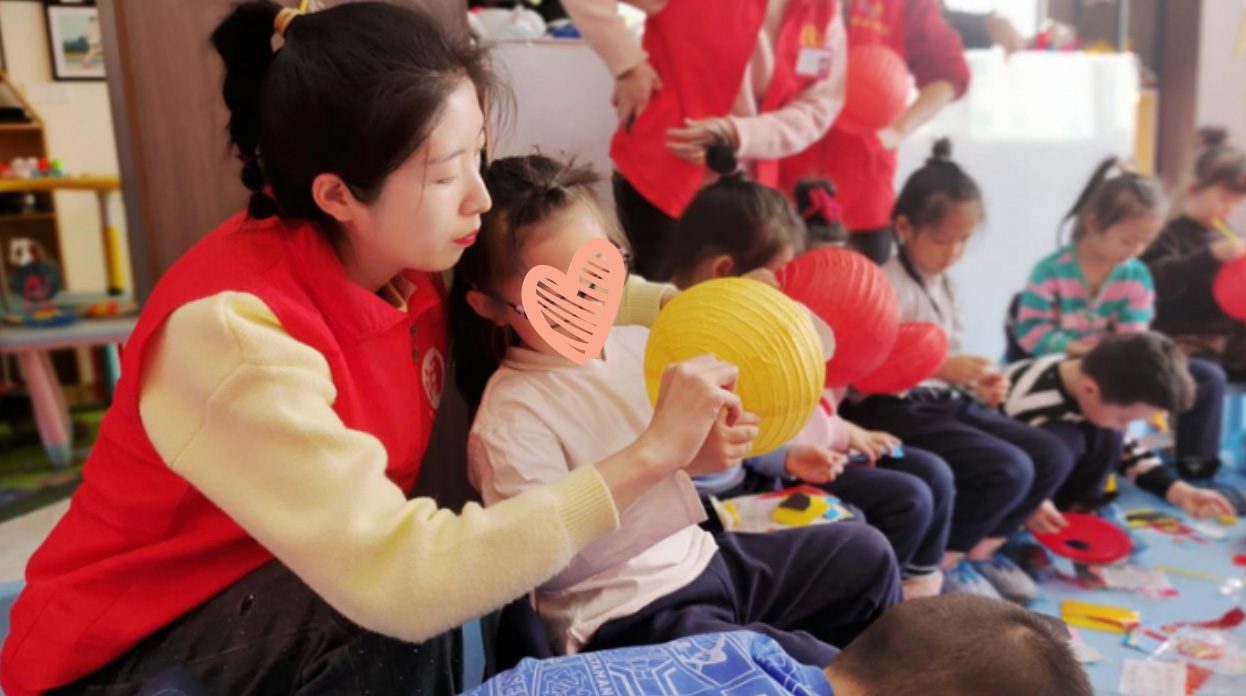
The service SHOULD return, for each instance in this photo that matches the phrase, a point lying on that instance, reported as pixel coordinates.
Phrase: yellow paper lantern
(758, 329)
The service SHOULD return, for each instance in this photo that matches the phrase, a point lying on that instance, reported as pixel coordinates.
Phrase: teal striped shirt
(1057, 308)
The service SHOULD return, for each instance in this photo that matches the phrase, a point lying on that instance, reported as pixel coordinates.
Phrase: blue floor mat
(1198, 599)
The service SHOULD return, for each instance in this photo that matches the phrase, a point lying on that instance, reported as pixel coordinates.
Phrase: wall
(79, 131)
(1221, 96)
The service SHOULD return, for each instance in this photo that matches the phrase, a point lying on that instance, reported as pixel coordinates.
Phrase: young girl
(1003, 470)
(244, 515)
(734, 227)
(1096, 286)
(1184, 262)
(542, 417)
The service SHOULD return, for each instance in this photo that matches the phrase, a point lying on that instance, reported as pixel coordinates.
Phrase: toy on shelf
(32, 168)
(37, 280)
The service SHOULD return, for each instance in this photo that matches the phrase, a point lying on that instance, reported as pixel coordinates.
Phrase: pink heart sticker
(574, 311)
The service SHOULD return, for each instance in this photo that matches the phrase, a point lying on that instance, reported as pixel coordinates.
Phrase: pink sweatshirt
(771, 135)
(825, 428)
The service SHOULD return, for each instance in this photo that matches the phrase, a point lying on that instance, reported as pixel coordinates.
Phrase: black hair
(353, 90)
(525, 190)
(748, 221)
(932, 190)
(1218, 162)
(1141, 368)
(962, 644)
(1113, 199)
(823, 226)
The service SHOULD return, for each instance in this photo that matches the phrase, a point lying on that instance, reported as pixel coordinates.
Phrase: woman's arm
(249, 422)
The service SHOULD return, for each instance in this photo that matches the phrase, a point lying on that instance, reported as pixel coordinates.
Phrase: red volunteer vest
(862, 170)
(139, 546)
(701, 49)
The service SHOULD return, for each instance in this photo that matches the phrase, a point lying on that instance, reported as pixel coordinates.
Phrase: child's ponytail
(1113, 194)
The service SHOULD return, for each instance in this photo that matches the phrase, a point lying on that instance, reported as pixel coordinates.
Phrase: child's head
(732, 227)
(937, 212)
(1118, 213)
(1219, 182)
(1133, 376)
(367, 121)
(543, 212)
(959, 644)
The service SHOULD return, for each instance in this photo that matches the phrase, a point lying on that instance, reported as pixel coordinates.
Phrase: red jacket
(701, 50)
(139, 546)
(862, 170)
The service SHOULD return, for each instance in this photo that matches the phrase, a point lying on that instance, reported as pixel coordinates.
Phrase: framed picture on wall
(74, 41)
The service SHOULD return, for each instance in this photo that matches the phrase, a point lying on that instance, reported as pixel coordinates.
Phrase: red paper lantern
(1230, 289)
(918, 353)
(853, 296)
(876, 89)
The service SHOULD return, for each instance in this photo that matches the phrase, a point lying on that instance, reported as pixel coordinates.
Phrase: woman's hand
(633, 90)
(689, 143)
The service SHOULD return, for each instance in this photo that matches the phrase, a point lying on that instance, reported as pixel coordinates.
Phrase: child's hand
(1198, 502)
(991, 387)
(725, 446)
(1226, 250)
(694, 396)
(813, 464)
(633, 90)
(1046, 519)
(963, 370)
(1080, 347)
(873, 444)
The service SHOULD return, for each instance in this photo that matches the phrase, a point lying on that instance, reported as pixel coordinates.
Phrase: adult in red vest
(243, 516)
(864, 167)
(764, 77)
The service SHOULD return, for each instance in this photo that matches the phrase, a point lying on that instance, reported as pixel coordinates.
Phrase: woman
(762, 78)
(243, 514)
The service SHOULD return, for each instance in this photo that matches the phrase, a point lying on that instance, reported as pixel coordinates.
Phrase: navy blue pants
(1198, 430)
(1096, 453)
(812, 589)
(269, 633)
(1003, 469)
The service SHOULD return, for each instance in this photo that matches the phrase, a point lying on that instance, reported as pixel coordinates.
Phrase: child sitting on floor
(659, 576)
(1096, 286)
(940, 646)
(1088, 402)
(1003, 469)
(736, 227)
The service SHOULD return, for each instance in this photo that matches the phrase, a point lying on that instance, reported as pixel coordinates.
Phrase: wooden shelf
(86, 182)
(27, 217)
(20, 127)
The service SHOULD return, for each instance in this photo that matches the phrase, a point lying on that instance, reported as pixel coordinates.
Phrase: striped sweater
(1057, 307)
(1038, 395)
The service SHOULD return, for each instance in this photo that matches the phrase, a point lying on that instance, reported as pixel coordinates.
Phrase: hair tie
(822, 202)
(284, 17)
